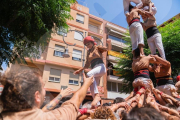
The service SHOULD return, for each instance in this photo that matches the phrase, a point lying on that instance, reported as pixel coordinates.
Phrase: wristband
(138, 93)
(143, 87)
(161, 93)
(83, 111)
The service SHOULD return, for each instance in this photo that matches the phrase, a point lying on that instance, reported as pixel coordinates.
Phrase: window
(94, 28)
(59, 51)
(116, 39)
(76, 55)
(74, 79)
(113, 86)
(78, 36)
(54, 75)
(80, 18)
(62, 31)
(63, 87)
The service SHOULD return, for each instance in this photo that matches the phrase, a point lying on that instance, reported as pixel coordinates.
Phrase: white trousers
(142, 80)
(154, 9)
(154, 42)
(136, 33)
(166, 88)
(98, 71)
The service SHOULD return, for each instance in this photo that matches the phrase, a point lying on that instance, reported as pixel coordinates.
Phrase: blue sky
(112, 10)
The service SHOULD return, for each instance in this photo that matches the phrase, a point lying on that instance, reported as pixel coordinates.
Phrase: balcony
(114, 56)
(95, 30)
(118, 43)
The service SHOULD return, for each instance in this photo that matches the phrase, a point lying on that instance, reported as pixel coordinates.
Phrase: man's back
(141, 63)
(68, 111)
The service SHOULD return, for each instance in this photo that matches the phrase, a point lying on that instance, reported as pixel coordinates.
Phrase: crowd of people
(23, 95)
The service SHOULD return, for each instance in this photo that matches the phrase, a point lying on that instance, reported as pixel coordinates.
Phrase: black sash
(96, 61)
(142, 73)
(164, 80)
(151, 31)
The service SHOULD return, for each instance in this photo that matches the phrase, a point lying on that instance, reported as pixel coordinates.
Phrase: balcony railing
(95, 29)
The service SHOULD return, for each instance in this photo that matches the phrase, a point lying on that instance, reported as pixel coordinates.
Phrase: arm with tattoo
(56, 100)
(52, 104)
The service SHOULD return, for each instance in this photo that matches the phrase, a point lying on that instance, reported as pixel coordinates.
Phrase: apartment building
(57, 70)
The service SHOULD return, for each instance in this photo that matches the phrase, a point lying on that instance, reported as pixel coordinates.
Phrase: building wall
(64, 78)
(67, 65)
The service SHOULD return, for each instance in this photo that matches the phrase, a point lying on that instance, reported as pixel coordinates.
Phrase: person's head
(103, 113)
(137, 52)
(106, 104)
(23, 90)
(130, 7)
(178, 78)
(144, 113)
(89, 42)
(118, 100)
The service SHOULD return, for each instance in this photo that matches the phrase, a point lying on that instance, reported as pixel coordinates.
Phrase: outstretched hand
(89, 80)
(66, 92)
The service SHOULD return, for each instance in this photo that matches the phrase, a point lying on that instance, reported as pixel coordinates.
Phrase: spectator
(24, 93)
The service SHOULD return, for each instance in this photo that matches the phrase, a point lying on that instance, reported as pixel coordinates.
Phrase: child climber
(95, 59)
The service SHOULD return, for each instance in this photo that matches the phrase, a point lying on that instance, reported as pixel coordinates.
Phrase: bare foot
(97, 98)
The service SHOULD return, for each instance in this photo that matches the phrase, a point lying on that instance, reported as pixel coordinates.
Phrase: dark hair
(130, 7)
(144, 113)
(119, 100)
(106, 104)
(19, 89)
(103, 113)
(171, 106)
(137, 52)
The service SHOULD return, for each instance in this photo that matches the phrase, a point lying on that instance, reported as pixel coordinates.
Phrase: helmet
(89, 39)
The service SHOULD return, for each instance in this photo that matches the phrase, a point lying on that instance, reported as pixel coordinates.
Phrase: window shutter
(59, 48)
(80, 17)
(77, 54)
(55, 73)
(74, 77)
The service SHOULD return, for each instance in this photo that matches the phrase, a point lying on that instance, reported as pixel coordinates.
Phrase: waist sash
(142, 73)
(96, 61)
(134, 20)
(151, 31)
(164, 80)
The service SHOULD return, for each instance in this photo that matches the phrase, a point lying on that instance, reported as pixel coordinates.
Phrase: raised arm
(126, 3)
(161, 60)
(87, 64)
(57, 99)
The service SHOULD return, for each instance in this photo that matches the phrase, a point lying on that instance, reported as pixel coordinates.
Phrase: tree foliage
(171, 41)
(26, 26)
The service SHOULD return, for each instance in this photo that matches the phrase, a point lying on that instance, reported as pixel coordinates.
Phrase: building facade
(57, 71)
